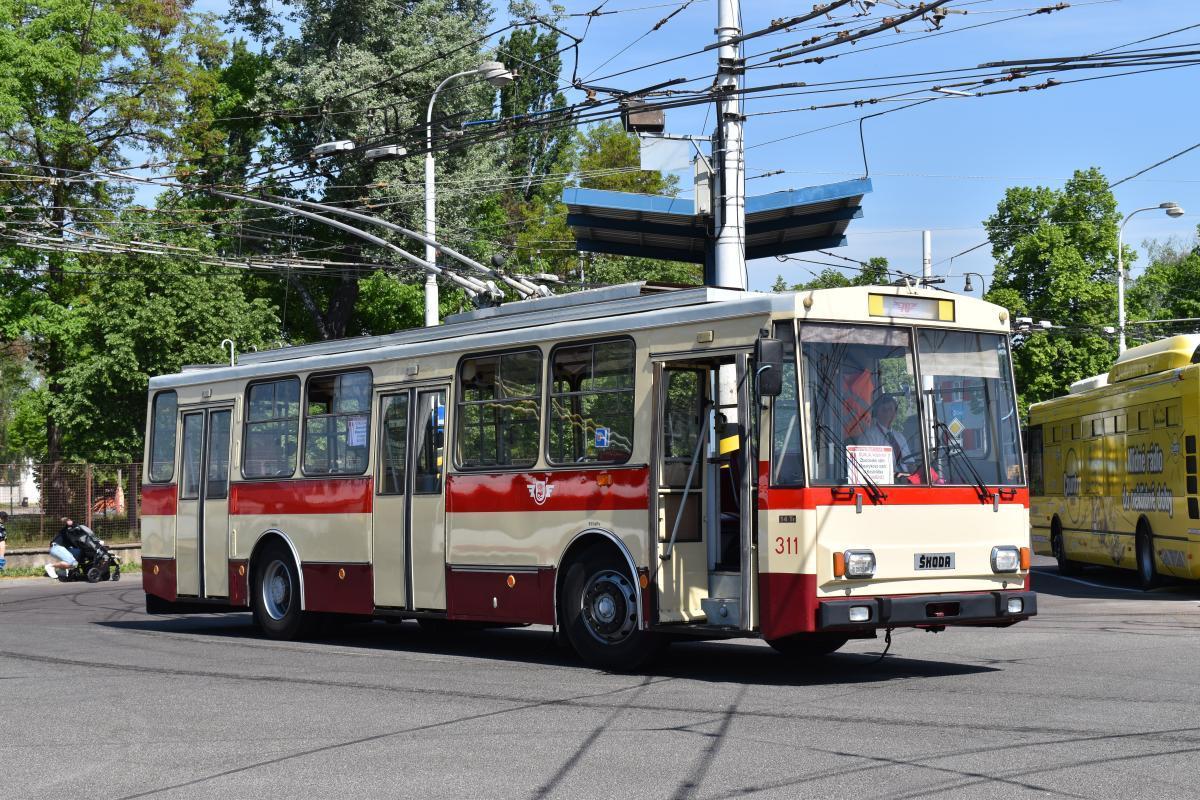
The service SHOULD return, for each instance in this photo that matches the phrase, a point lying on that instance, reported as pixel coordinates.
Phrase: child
(3, 536)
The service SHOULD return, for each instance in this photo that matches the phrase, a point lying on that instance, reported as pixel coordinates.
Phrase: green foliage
(1055, 252)
(1168, 289)
(873, 273)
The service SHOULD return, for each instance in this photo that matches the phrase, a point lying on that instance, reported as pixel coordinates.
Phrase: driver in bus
(880, 434)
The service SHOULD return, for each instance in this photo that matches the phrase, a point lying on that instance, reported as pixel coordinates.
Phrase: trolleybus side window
(162, 437)
(591, 403)
(683, 420)
(393, 451)
(337, 424)
(272, 429)
(216, 484)
(971, 406)
(193, 447)
(429, 442)
(499, 410)
(787, 457)
(861, 404)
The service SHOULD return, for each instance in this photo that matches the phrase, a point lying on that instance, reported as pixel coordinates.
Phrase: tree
(88, 86)
(1168, 289)
(1056, 252)
(363, 70)
(873, 272)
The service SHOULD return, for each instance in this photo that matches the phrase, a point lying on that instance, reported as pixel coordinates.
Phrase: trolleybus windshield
(868, 422)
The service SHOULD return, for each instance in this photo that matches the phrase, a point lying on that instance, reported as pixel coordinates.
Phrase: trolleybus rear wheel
(1147, 572)
(599, 613)
(808, 645)
(1065, 565)
(275, 597)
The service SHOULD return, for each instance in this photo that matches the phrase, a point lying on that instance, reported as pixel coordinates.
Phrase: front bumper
(979, 608)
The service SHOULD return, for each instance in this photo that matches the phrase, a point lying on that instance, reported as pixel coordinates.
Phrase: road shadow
(1104, 583)
(741, 661)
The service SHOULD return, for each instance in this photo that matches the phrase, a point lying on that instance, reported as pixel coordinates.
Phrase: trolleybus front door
(408, 540)
(202, 533)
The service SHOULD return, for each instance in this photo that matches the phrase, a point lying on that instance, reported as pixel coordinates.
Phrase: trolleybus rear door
(390, 509)
(202, 525)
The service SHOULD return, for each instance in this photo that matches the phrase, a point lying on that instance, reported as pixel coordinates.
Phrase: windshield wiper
(877, 494)
(954, 448)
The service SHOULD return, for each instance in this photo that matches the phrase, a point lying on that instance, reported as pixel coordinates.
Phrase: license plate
(925, 561)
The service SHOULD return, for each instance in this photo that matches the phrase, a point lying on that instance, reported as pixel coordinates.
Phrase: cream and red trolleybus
(1112, 466)
(627, 464)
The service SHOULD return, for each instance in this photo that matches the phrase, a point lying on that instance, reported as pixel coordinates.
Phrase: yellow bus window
(1144, 420)
(1056, 434)
(1160, 416)
(1074, 430)
(1119, 420)
(1173, 415)
(1097, 427)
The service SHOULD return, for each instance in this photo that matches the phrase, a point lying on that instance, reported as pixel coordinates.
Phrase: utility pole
(927, 254)
(729, 207)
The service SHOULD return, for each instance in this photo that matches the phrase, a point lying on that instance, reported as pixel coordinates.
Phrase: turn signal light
(604, 479)
(839, 565)
(1024, 558)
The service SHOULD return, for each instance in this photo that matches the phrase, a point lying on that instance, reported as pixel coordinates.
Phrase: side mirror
(768, 370)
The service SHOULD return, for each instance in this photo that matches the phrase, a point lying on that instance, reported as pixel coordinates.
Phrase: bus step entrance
(722, 606)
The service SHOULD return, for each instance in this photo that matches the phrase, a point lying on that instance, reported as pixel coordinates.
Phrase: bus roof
(605, 311)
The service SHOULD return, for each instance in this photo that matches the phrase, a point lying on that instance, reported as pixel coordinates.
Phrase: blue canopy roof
(793, 221)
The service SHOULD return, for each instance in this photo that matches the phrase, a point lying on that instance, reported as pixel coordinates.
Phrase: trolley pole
(730, 206)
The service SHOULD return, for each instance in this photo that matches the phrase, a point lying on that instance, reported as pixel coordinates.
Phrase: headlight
(859, 563)
(1005, 559)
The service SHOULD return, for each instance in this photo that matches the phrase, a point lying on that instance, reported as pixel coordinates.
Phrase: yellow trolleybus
(626, 464)
(1112, 466)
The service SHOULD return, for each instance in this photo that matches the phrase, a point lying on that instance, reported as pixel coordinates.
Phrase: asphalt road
(1097, 697)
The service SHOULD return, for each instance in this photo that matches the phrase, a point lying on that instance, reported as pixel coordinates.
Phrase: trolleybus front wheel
(599, 613)
(1147, 571)
(275, 597)
(808, 645)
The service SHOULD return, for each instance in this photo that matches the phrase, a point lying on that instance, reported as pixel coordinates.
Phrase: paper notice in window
(356, 435)
(874, 461)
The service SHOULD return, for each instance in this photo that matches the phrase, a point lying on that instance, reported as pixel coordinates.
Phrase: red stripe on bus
(320, 496)
(158, 500)
(488, 595)
(339, 588)
(773, 497)
(158, 578)
(627, 489)
(787, 604)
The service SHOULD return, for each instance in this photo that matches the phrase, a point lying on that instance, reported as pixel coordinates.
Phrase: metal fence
(105, 497)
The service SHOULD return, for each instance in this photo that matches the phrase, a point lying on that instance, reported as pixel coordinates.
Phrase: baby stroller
(96, 562)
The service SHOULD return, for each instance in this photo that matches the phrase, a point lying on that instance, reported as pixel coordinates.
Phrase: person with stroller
(3, 537)
(66, 547)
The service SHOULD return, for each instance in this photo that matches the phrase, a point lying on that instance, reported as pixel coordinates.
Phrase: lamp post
(497, 75)
(967, 287)
(1173, 210)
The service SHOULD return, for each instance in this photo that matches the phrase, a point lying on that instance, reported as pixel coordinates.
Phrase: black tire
(94, 574)
(1065, 565)
(116, 573)
(808, 645)
(1148, 575)
(275, 595)
(598, 613)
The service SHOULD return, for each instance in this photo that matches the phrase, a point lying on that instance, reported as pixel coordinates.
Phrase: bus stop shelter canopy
(669, 228)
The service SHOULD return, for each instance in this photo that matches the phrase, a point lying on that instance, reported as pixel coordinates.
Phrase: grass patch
(40, 571)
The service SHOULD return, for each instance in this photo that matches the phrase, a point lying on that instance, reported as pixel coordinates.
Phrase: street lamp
(1173, 211)
(498, 76)
(967, 287)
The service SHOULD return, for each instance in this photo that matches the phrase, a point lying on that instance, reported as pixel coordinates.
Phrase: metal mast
(729, 208)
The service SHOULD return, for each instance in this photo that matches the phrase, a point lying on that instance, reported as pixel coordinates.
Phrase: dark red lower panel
(239, 583)
(158, 577)
(487, 596)
(339, 588)
(787, 604)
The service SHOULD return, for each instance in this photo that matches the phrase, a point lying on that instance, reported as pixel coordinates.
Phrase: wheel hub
(277, 590)
(609, 606)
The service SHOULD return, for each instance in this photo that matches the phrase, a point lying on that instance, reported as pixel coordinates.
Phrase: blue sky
(944, 165)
